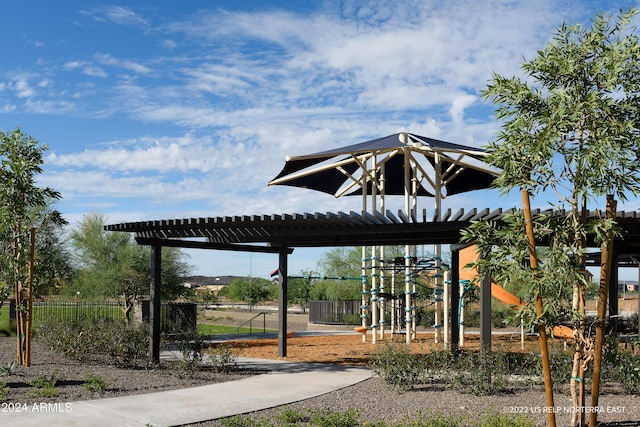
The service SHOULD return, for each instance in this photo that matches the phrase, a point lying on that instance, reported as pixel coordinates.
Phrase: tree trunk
(576, 382)
(605, 271)
(21, 300)
(544, 347)
(127, 306)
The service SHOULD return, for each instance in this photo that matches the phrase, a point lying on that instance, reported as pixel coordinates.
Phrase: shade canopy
(398, 164)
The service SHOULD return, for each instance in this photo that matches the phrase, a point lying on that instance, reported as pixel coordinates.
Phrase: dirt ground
(351, 350)
(339, 348)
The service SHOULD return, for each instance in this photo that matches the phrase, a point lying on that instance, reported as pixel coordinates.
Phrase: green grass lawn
(5, 328)
(208, 329)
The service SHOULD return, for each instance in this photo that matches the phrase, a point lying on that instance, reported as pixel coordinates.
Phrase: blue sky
(155, 110)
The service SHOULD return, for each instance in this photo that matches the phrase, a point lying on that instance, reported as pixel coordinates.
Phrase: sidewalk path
(284, 382)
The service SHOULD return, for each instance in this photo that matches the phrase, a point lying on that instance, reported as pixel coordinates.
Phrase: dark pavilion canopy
(272, 233)
(281, 233)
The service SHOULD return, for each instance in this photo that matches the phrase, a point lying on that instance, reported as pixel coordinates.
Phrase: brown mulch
(351, 350)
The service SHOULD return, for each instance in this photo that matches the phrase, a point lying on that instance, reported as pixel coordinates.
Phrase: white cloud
(21, 86)
(118, 14)
(459, 104)
(106, 59)
(245, 89)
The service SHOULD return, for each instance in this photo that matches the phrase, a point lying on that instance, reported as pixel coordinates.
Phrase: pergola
(281, 234)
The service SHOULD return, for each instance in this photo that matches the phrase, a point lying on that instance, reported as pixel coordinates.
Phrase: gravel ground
(373, 398)
(71, 376)
(377, 401)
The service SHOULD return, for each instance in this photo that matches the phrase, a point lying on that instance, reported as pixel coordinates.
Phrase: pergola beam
(191, 244)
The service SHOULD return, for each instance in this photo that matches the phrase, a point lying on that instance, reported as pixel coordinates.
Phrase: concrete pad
(285, 382)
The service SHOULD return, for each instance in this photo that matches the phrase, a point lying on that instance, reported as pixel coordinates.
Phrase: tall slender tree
(570, 128)
(21, 161)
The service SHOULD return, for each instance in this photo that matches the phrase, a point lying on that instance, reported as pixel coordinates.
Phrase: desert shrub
(432, 419)
(45, 386)
(621, 366)
(326, 417)
(83, 339)
(561, 366)
(96, 382)
(499, 419)
(4, 390)
(627, 372)
(191, 346)
(130, 344)
(288, 416)
(397, 366)
(243, 421)
(481, 372)
(222, 358)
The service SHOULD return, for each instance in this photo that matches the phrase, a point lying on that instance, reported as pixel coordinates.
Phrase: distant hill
(198, 281)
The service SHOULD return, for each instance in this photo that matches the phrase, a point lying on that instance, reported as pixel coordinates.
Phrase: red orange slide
(469, 255)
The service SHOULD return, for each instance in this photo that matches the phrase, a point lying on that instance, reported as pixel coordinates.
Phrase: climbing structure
(401, 164)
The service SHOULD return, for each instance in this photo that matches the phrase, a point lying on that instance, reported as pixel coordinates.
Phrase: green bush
(126, 345)
(326, 417)
(45, 386)
(498, 419)
(350, 417)
(4, 390)
(289, 416)
(191, 346)
(96, 383)
(397, 366)
(130, 344)
(222, 357)
(242, 421)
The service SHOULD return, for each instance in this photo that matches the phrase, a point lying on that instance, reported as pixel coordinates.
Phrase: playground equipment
(401, 164)
(470, 255)
(386, 300)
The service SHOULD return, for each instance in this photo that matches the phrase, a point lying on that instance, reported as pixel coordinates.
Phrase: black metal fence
(334, 312)
(74, 311)
(173, 316)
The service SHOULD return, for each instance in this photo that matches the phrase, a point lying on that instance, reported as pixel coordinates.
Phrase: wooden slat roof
(333, 229)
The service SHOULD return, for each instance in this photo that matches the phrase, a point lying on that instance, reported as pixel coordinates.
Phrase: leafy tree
(112, 265)
(250, 290)
(299, 289)
(52, 265)
(570, 128)
(347, 263)
(21, 161)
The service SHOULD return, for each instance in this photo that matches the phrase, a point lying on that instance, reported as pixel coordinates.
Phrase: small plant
(222, 357)
(4, 389)
(45, 386)
(326, 417)
(43, 381)
(433, 419)
(397, 366)
(130, 344)
(8, 369)
(191, 346)
(290, 416)
(482, 373)
(241, 421)
(96, 383)
(497, 419)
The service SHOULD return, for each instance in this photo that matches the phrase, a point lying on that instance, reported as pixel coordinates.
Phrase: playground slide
(470, 254)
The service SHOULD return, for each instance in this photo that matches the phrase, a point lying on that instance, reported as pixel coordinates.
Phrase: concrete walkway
(284, 382)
